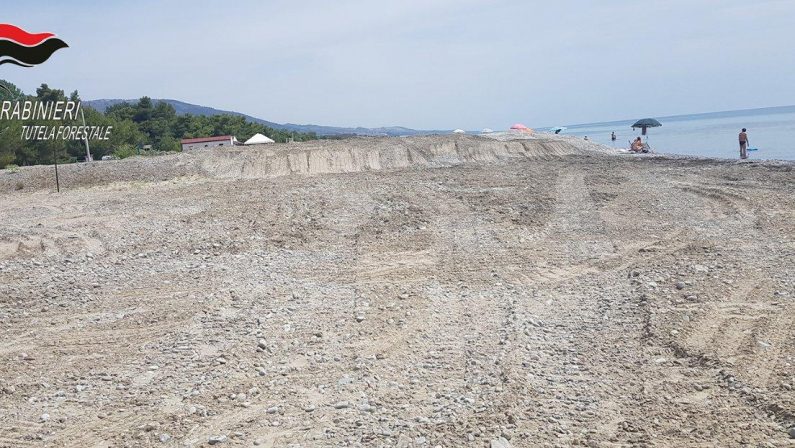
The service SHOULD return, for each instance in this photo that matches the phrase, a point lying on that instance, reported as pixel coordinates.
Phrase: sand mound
(323, 156)
(368, 154)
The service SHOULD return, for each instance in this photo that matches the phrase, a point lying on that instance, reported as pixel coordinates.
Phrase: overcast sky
(422, 63)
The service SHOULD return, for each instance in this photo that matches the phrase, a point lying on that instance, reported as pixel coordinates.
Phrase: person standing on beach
(613, 136)
(743, 144)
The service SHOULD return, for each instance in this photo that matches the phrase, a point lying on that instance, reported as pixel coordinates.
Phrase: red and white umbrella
(520, 127)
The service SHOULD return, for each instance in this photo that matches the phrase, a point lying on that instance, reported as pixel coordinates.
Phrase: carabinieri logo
(19, 47)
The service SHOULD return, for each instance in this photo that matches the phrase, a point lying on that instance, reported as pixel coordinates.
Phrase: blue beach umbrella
(646, 123)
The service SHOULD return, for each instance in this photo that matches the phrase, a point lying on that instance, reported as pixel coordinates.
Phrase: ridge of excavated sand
(316, 157)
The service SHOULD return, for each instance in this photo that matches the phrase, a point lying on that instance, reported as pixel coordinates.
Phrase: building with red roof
(189, 144)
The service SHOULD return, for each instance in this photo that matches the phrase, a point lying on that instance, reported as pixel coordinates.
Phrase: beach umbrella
(521, 128)
(258, 139)
(646, 123)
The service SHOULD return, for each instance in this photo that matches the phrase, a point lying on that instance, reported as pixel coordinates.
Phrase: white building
(189, 144)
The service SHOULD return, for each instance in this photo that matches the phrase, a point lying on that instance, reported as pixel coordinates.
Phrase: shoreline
(672, 155)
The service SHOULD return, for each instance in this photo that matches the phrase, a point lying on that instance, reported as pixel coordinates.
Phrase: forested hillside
(134, 126)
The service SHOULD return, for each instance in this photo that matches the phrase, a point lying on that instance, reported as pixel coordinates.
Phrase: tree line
(135, 126)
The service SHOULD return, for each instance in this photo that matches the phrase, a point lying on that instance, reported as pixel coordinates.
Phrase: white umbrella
(258, 139)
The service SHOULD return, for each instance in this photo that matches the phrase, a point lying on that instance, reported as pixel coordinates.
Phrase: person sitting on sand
(637, 145)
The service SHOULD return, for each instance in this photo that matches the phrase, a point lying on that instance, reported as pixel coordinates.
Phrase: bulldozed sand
(411, 292)
(317, 157)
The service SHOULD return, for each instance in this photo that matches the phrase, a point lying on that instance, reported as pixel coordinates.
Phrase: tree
(121, 111)
(10, 92)
(45, 93)
(143, 110)
(134, 125)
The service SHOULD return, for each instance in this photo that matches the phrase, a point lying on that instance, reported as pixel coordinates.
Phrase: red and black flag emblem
(19, 47)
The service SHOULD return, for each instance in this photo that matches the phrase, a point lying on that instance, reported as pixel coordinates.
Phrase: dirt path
(551, 301)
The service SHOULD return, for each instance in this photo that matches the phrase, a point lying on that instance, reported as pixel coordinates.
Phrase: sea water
(771, 130)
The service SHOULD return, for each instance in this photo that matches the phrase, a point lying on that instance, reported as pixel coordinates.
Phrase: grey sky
(423, 64)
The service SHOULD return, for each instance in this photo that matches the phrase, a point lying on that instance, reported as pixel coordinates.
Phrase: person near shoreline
(637, 145)
(613, 136)
(743, 144)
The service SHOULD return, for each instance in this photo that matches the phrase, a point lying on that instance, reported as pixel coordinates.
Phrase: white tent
(258, 139)
(459, 131)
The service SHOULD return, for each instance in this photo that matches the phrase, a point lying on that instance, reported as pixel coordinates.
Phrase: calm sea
(771, 130)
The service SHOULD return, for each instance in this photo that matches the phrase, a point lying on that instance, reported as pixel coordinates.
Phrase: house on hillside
(189, 144)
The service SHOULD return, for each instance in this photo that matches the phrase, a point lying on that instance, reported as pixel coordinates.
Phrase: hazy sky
(422, 63)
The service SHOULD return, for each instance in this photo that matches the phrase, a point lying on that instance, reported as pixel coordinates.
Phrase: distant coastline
(702, 115)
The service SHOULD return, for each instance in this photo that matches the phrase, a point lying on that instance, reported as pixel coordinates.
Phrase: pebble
(403, 441)
(44, 418)
(500, 443)
(262, 343)
(680, 285)
(342, 405)
(792, 433)
(215, 440)
(164, 438)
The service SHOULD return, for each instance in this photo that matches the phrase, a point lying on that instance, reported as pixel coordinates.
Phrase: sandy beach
(399, 292)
